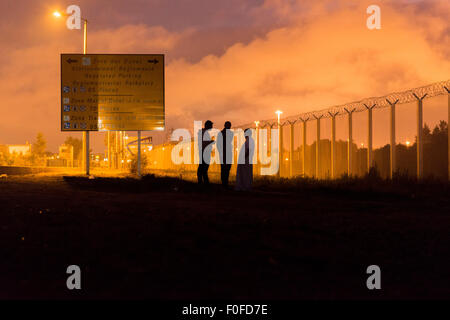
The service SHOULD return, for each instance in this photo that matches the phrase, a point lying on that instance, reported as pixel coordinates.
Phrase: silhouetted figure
(204, 140)
(244, 172)
(225, 148)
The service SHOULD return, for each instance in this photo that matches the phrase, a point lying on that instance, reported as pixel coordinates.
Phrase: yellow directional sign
(112, 92)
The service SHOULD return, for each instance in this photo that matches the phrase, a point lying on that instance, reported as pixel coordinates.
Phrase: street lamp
(279, 112)
(58, 14)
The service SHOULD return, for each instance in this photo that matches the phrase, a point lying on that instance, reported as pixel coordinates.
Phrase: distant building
(98, 160)
(66, 153)
(63, 159)
(22, 149)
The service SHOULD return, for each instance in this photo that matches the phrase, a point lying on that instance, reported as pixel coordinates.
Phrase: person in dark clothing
(244, 170)
(225, 148)
(204, 140)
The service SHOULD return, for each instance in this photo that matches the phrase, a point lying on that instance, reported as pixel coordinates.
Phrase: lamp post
(58, 14)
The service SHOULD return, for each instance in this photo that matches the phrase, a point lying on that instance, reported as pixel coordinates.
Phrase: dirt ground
(169, 239)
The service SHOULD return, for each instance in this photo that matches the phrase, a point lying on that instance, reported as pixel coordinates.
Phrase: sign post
(86, 133)
(139, 154)
(86, 147)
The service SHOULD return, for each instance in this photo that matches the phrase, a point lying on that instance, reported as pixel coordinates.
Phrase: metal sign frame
(64, 55)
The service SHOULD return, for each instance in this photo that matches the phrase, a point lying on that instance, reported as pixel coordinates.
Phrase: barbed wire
(411, 95)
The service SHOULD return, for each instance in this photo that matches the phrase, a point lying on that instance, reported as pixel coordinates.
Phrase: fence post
(333, 144)
(393, 162)
(448, 130)
(269, 139)
(419, 143)
(280, 148)
(318, 147)
(304, 147)
(350, 141)
(369, 137)
(257, 170)
(291, 150)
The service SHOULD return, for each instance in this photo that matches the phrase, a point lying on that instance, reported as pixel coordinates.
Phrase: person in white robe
(244, 172)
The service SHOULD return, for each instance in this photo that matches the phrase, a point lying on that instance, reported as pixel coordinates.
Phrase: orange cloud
(317, 55)
(332, 59)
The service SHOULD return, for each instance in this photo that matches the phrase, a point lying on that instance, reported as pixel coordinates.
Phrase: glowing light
(287, 159)
(257, 123)
(408, 143)
(279, 112)
(122, 161)
(57, 14)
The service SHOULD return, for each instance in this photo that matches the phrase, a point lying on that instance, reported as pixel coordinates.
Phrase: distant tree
(426, 134)
(435, 151)
(6, 159)
(440, 132)
(77, 145)
(39, 146)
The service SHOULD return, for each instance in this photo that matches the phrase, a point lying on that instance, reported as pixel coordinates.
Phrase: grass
(372, 182)
(400, 184)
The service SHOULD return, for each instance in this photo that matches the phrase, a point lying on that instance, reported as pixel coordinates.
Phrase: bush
(144, 162)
